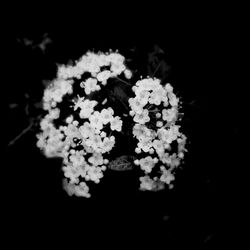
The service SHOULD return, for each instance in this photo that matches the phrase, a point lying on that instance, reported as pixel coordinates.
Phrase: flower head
(83, 140)
(142, 117)
(116, 124)
(90, 85)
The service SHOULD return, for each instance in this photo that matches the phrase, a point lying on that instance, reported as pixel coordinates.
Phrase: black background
(192, 214)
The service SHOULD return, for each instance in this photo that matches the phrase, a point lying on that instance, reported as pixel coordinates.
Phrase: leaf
(122, 163)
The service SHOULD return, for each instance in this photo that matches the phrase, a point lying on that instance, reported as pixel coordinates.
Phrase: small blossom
(96, 159)
(173, 100)
(148, 84)
(143, 96)
(96, 121)
(143, 117)
(136, 105)
(116, 123)
(156, 96)
(87, 108)
(168, 88)
(159, 146)
(147, 164)
(169, 114)
(139, 130)
(166, 176)
(128, 74)
(145, 144)
(90, 85)
(107, 115)
(103, 134)
(103, 76)
(158, 115)
(136, 162)
(108, 144)
(95, 174)
(82, 190)
(159, 124)
(138, 150)
(69, 119)
(146, 183)
(86, 130)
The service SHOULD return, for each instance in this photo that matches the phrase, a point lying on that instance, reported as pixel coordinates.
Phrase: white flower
(159, 124)
(169, 114)
(138, 150)
(136, 104)
(148, 84)
(159, 146)
(54, 114)
(115, 58)
(173, 100)
(143, 117)
(77, 158)
(175, 161)
(75, 123)
(146, 183)
(147, 164)
(103, 76)
(168, 88)
(82, 190)
(128, 74)
(117, 69)
(158, 115)
(96, 121)
(108, 144)
(89, 63)
(136, 162)
(55, 92)
(143, 97)
(117, 63)
(90, 85)
(116, 123)
(103, 60)
(86, 130)
(87, 108)
(131, 112)
(166, 176)
(165, 158)
(96, 159)
(79, 102)
(156, 96)
(72, 131)
(71, 173)
(103, 134)
(151, 151)
(168, 135)
(95, 174)
(69, 119)
(139, 130)
(107, 115)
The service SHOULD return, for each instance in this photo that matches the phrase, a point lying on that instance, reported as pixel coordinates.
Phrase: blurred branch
(156, 69)
(23, 132)
(122, 81)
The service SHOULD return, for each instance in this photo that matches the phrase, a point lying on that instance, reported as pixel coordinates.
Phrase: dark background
(193, 213)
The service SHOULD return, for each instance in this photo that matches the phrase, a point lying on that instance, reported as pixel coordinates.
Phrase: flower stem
(122, 80)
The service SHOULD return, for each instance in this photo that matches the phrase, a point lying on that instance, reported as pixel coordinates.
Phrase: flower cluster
(91, 63)
(84, 137)
(81, 123)
(155, 112)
